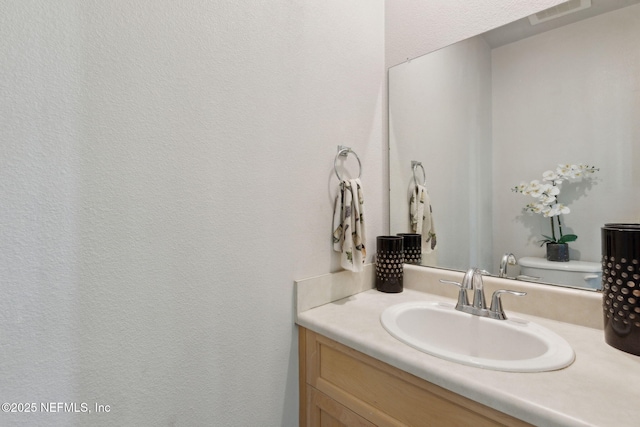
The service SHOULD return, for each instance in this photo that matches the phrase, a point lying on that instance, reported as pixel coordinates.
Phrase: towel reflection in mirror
(421, 217)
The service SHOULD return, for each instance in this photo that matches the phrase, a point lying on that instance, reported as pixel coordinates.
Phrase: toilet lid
(578, 266)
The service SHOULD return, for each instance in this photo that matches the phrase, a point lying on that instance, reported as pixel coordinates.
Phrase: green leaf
(568, 238)
(545, 241)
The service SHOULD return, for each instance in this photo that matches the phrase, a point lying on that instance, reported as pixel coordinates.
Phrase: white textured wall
(165, 175)
(580, 104)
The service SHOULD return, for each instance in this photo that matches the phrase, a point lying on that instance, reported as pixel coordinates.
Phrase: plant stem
(559, 226)
(553, 229)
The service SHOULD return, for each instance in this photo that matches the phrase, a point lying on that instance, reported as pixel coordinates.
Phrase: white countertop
(600, 388)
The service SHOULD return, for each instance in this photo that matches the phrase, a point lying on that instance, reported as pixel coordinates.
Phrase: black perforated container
(389, 259)
(621, 286)
(412, 248)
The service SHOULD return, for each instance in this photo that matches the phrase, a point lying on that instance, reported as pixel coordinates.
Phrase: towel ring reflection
(414, 166)
(343, 152)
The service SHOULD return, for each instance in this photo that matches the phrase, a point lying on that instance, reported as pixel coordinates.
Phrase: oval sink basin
(512, 345)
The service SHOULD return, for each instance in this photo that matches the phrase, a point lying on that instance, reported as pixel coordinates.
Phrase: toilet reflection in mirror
(578, 274)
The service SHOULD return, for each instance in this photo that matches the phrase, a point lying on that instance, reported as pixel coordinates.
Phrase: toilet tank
(582, 274)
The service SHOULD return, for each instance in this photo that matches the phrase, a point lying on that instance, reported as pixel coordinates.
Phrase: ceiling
(522, 28)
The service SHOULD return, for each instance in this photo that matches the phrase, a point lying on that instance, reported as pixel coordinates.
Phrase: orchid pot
(558, 252)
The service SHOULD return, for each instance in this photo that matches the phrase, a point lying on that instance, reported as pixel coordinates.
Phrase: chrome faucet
(472, 281)
(507, 259)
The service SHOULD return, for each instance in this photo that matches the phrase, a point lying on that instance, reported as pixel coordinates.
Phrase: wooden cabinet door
(326, 412)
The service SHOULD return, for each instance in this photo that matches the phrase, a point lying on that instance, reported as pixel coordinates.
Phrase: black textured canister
(412, 248)
(389, 259)
(621, 286)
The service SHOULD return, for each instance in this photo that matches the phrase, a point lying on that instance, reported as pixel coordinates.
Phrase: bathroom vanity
(354, 373)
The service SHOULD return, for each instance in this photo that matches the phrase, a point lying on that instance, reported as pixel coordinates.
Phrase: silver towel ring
(343, 152)
(414, 166)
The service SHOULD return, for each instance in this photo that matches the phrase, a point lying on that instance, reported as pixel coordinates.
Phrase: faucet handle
(462, 295)
(496, 311)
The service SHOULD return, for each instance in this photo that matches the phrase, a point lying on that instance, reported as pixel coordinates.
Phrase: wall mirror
(492, 111)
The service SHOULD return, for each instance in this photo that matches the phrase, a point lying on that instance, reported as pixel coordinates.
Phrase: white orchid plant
(546, 194)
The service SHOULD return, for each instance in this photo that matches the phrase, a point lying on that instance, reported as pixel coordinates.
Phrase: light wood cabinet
(340, 386)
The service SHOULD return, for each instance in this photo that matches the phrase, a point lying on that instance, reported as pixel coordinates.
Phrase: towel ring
(343, 152)
(414, 166)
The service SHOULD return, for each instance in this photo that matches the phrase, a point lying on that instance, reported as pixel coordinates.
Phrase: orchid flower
(546, 195)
